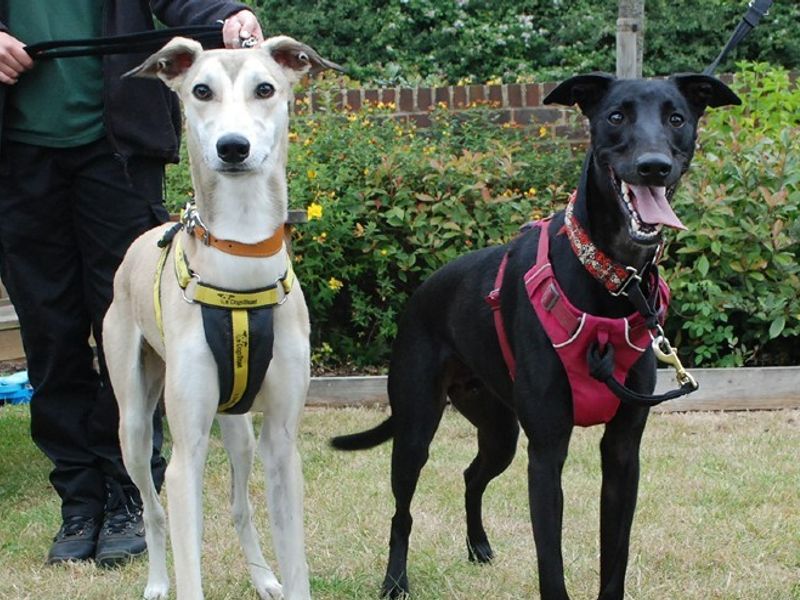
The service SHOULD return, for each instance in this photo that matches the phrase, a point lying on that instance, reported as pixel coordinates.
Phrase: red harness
(572, 332)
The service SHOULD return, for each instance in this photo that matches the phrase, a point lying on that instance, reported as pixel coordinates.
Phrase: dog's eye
(616, 118)
(265, 90)
(202, 92)
(676, 120)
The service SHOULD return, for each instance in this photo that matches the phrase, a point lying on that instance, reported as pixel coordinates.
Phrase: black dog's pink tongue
(653, 206)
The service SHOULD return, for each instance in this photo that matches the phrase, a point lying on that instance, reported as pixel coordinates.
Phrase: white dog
(229, 254)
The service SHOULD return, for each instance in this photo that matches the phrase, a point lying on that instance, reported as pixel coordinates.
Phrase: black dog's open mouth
(648, 208)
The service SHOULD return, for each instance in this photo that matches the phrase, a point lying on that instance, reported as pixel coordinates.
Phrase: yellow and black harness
(238, 325)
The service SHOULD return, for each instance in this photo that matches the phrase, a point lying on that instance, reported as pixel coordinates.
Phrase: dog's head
(643, 134)
(235, 101)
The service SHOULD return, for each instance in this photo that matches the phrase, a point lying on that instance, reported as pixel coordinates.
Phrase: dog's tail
(365, 439)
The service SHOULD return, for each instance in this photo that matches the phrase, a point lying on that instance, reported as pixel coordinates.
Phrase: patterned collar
(614, 276)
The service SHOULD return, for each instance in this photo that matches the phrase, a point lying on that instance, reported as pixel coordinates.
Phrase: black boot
(75, 541)
(121, 537)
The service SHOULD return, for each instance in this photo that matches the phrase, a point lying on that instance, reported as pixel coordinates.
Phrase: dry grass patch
(718, 516)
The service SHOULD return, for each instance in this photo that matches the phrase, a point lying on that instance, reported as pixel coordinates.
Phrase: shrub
(734, 273)
(390, 203)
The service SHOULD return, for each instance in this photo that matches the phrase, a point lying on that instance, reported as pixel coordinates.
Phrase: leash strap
(755, 11)
(601, 367)
(146, 41)
(601, 361)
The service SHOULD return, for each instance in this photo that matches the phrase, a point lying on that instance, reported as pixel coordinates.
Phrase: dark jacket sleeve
(175, 13)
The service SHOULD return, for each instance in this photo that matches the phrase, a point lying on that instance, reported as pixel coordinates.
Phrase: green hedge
(397, 202)
(734, 273)
(389, 203)
(400, 41)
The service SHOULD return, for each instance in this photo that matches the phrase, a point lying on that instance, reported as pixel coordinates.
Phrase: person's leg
(114, 204)
(41, 268)
(42, 271)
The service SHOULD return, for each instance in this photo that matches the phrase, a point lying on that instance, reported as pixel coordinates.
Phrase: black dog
(643, 136)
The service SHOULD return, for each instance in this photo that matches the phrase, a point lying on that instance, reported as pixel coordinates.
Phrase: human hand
(241, 26)
(13, 58)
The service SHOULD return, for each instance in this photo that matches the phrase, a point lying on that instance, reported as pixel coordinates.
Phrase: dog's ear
(704, 90)
(170, 63)
(584, 90)
(296, 58)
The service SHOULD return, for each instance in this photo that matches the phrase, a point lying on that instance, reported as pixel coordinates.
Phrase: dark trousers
(67, 216)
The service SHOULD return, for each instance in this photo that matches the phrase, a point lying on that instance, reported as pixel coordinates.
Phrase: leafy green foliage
(396, 202)
(735, 275)
(401, 41)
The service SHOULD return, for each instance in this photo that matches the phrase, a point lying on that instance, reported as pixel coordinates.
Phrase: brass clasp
(666, 354)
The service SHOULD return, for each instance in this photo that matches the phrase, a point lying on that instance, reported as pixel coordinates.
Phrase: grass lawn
(718, 516)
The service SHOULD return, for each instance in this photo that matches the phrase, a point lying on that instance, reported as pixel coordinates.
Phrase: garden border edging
(742, 388)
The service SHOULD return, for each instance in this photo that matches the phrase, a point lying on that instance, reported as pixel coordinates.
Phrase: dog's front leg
(284, 477)
(547, 505)
(620, 460)
(191, 404)
(546, 418)
(237, 435)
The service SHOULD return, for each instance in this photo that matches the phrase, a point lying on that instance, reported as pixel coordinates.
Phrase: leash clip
(634, 276)
(666, 354)
(191, 220)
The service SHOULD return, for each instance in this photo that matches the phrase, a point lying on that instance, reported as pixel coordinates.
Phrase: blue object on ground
(15, 388)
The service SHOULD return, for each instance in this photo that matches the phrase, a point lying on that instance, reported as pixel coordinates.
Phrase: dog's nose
(653, 165)
(233, 148)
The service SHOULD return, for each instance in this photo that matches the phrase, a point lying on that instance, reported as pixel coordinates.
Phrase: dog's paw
(480, 552)
(395, 588)
(156, 591)
(269, 589)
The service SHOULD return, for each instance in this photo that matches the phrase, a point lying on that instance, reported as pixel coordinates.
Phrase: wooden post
(630, 39)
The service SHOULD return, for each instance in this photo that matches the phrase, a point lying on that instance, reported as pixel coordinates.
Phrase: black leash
(755, 10)
(147, 41)
(601, 367)
(601, 361)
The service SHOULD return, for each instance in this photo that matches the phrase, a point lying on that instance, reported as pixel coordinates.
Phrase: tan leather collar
(267, 247)
(195, 226)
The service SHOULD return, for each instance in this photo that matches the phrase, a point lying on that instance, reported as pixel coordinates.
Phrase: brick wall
(514, 103)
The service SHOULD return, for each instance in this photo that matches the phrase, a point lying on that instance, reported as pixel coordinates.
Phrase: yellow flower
(335, 284)
(531, 192)
(384, 252)
(292, 136)
(542, 131)
(312, 174)
(314, 211)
